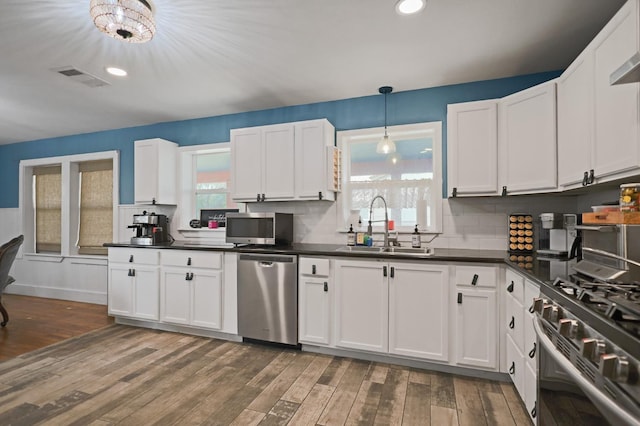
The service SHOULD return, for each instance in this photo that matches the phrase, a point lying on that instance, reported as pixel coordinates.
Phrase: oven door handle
(599, 398)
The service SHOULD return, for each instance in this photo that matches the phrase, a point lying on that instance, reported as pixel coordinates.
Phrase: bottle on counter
(415, 238)
(351, 236)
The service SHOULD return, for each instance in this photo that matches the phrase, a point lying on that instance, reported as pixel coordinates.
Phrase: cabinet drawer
(194, 259)
(514, 322)
(476, 276)
(515, 366)
(515, 285)
(138, 256)
(313, 266)
(530, 340)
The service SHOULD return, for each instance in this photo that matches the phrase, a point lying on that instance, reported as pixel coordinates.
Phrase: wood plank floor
(35, 322)
(131, 376)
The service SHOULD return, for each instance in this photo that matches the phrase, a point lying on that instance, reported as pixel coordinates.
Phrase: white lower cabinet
(418, 302)
(133, 291)
(362, 305)
(397, 308)
(476, 316)
(133, 283)
(314, 301)
(192, 295)
(521, 347)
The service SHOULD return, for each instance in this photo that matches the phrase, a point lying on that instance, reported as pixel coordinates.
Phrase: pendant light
(386, 144)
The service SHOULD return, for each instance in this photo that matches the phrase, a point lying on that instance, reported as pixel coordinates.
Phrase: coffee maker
(558, 235)
(151, 229)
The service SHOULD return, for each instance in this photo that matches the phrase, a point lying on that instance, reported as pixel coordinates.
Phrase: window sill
(57, 258)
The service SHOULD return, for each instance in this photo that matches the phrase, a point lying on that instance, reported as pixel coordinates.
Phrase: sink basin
(404, 251)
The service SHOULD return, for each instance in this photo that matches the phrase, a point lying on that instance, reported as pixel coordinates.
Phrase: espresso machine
(558, 235)
(151, 229)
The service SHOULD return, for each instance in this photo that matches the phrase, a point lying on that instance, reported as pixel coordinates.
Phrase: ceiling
(213, 57)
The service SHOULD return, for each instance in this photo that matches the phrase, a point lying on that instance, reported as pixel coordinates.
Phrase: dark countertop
(540, 270)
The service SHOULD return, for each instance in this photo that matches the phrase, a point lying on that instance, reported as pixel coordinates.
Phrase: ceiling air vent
(81, 76)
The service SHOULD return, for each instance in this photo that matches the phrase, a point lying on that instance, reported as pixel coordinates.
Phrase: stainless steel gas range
(588, 330)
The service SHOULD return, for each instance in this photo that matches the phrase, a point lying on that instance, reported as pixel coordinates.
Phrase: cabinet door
(175, 291)
(616, 107)
(120, 290)
(246, 160)
(362, 305)
(575, 120)
(147, 293)
(145, 171)
(527, 140)
(476, 328)
(472, 148)
(278, 174)
(313, 310)
(206, 299)
(530, 391)
(418, 311)
(311, 141)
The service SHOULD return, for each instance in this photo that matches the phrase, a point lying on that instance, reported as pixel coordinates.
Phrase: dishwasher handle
(265, 264)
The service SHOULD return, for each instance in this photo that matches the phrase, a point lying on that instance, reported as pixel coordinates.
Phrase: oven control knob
(555, 314)
(593, 348)
(546, 312)
(622, 370)
(538, 303)
(607, 366)
(568, 328)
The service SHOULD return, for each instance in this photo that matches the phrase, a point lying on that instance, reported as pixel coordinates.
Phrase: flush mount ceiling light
(118, 72)
(127, 20)
(386, 144)
(409, 7)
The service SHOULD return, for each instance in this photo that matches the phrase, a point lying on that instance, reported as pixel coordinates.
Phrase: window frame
(69, 199)
(429, 129)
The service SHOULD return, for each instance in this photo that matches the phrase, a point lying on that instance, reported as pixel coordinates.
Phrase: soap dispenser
(351, 236)
(415, 238)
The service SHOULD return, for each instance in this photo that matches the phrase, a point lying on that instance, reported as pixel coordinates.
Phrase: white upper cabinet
(472, 148)
(575, 121)
(316, 165)
(617, 147)
(598, 124)
(283, 162)
(527, 140)
(155, 171)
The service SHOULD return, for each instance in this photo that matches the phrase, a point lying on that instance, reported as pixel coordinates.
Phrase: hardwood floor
(35, 322)
(132, 376)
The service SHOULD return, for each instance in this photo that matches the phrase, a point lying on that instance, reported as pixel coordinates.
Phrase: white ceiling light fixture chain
(386, 144)
(127, 20)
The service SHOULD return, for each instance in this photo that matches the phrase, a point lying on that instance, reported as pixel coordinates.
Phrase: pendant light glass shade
(127, 20)
(386, 144)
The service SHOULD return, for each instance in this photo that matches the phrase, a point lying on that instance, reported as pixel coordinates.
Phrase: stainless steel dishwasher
(268, 297)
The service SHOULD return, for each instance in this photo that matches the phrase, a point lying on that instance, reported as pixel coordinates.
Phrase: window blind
(48, 208)
(96, 206)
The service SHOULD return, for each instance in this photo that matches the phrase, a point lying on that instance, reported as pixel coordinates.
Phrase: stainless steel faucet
(386, 220)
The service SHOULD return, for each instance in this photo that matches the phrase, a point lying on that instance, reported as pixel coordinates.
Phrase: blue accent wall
(347, 114)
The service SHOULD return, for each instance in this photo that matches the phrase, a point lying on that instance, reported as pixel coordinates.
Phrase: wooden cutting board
(611, 218)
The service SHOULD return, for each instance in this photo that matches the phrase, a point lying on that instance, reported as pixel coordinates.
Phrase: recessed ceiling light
(408, 7)
(118, 72)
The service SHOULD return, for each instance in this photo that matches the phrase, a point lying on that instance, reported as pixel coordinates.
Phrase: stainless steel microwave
(260, 228)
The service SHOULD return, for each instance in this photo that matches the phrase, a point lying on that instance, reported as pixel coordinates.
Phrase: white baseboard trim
(178, 329)
(57, 293)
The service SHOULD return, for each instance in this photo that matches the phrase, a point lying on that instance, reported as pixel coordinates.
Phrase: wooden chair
(8, 253)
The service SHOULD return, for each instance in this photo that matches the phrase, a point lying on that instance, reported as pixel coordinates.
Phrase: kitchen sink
(400, 251)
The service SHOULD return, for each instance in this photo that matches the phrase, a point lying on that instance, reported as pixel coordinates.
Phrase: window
(409, 180)
(47, 188)
(212, 176)
(96, 206)
(67, 203)
(205, 179)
